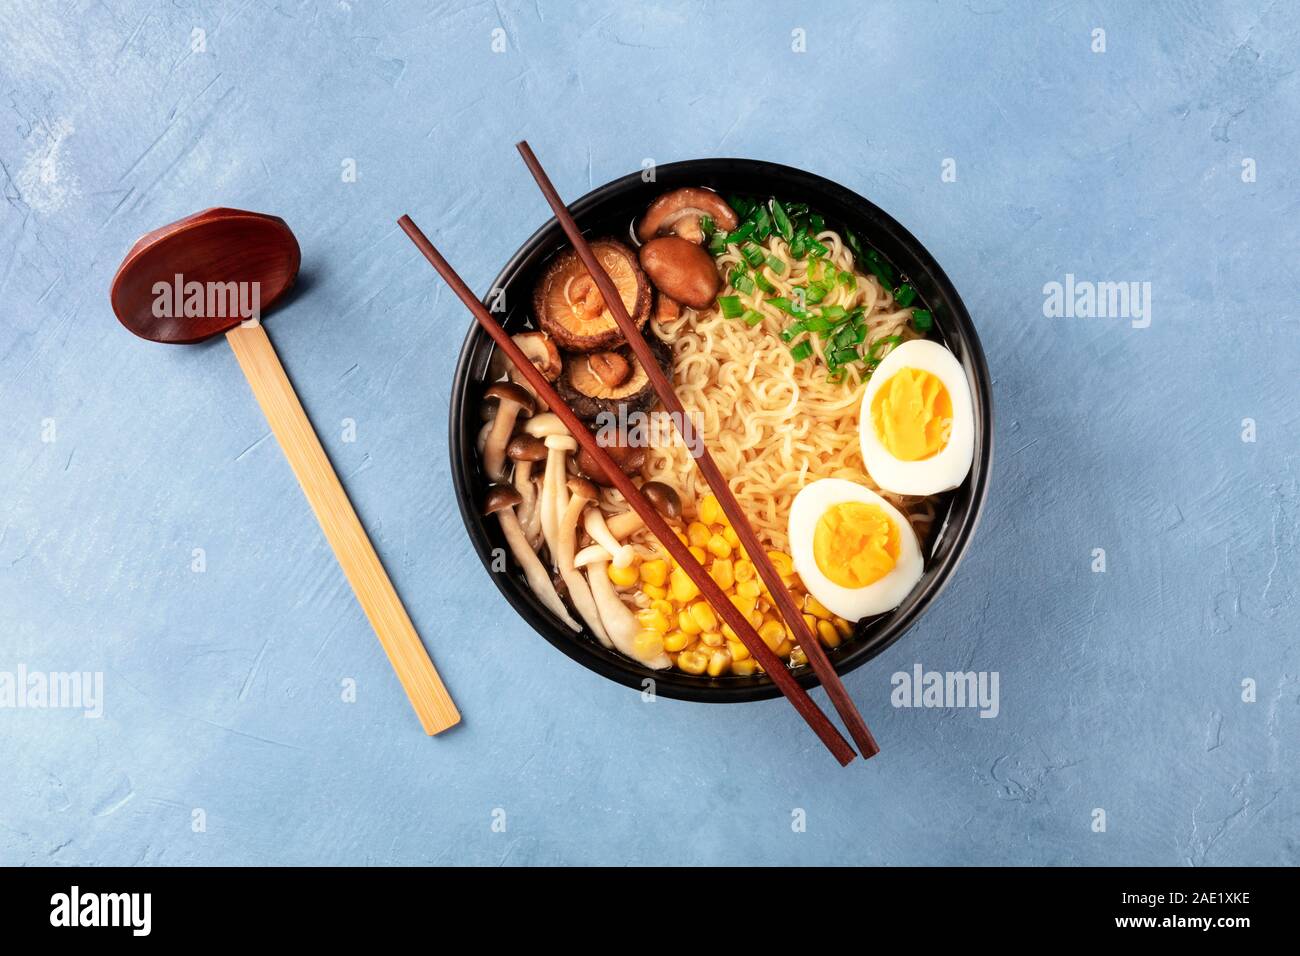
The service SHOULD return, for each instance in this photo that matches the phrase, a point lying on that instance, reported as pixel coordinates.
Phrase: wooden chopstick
(773, 665)
(812, 648)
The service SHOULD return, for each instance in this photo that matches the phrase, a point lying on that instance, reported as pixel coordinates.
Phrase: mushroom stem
(590, 554)
(624, 523)
(494, 451)
(579, 592)
(594, 522)
(530, 518)
(620, 623)
(534, 573)
(555, 495)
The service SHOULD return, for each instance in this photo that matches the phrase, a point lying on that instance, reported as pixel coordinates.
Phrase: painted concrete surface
(1169, 158)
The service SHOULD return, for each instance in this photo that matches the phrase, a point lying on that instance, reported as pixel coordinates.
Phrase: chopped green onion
(742, 206)
(718, 244)
(834, 312)
(801, 351)
(880, 269)
(730, 305)
(878, 346)
(905, 296)
(753, 255)
(799, 243)
(707, 227)
(743, 234)
(922, 319)
(752, 318)
(849, 281)
(816, 323)
(836, 376)
(816, 222)
(816, 248)
(776, 264)
(845, 356)
(855, 246)
(742, 282)
(761, 281)
(762, 222)
(781, 220)
(792, 330)
(787, 306)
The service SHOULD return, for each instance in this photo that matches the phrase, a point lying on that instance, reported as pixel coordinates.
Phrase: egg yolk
(912, 415)
(855, 544)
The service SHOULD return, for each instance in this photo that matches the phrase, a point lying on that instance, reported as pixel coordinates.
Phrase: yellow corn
(739, 651)
(729, 535)
(719, 661)
(745, 605)
(749, 589)
(677, 641)
(728, 633)
(844, 627)
(811, 621)
(744, 570)
(624, 577)
(697, 534)
(693, 661)
(781, 561)
(786, 647)
(718, 547)
(710, 510)
(826, 631)
(682, 537)
(798, 657)
(704, 616)
(712, 638)
(654, 572)
(648, 644)
(772, 633)
(816, 607)
(655, 620)
(721, 571)
(686, 622)
(744, 668)
(653, 592)
(683, 589)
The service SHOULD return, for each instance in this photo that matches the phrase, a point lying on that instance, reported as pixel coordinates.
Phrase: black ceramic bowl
(609, 210)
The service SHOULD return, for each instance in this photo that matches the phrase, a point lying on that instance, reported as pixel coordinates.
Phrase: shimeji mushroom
(584, 492)
(620, 623)
(555, 495)
(594, 523)
(511, 401)
(501, 501)
(665, 500)
(524, 451)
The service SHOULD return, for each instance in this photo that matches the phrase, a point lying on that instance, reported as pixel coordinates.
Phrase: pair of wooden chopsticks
(771, 664)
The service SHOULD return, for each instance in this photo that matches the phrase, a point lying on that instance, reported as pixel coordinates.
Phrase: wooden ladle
(218, 271)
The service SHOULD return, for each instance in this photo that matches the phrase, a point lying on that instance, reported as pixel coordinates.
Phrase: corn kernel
(654, 620)
(686, 622)
(699, 554)
(721, 571)
(664, 607)
(844, 627)
(744, 668)
(739, 651)
(693, 662)
(729, 535)
(826, 631)
(682, 537)
(698, 534)
(811, 623)
(704, 616)
(654, 593)
(712, 639)
(718, 547)
(719, 661)
(756, 619)
(624, 577)
(798, 657)
(816, 607)
(781, 561)
(648, 644)
(710, 510)
(749, 589)
(786, 647)
(745, 605)
(654, 572)
(744, 570)
(682, 587)
(772, 633)
(677, 641)
(728, 633)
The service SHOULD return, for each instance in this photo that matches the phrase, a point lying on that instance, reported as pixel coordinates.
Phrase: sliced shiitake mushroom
(568, 304)
(588, 395)
(630, 460)
(678, 213)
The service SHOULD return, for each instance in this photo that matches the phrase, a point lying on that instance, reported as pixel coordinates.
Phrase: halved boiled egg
(854, 551)
(916, 424)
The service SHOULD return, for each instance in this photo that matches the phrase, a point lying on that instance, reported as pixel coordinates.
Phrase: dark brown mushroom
(498, 497)
(612, 368)
(588, 396)
(664, 498)
(580, 487)
(678, 213)
(681, 271)
(569, 306)
(630, 460)
(526, 450)
(511, 401)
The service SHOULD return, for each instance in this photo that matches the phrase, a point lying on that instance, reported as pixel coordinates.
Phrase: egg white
(949, 467)
(850, 603)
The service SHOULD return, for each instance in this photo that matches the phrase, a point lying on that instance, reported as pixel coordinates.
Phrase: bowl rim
(956, 323)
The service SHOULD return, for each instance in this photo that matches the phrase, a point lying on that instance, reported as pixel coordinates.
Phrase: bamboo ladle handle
(352, 547)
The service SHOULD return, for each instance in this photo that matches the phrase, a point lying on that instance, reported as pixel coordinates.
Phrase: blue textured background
(1120, 691)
